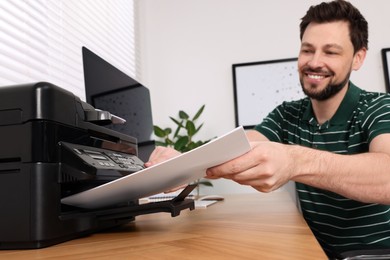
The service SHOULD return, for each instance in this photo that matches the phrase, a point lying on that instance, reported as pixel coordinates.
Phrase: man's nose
(316, 61)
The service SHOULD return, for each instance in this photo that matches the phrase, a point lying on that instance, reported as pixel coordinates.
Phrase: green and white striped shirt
(340, 224)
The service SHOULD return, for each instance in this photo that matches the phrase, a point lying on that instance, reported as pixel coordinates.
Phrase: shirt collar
(344, 111)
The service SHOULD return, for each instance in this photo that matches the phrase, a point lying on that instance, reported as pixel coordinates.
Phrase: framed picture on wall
(386, 66)
(261, 86)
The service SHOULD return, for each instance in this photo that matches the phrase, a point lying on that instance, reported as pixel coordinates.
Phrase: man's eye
(331, 53)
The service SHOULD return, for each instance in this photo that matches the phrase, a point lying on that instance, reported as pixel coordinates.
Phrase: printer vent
(67, 178)
(69, 174)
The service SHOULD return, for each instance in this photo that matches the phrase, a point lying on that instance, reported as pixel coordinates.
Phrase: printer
(53, 145)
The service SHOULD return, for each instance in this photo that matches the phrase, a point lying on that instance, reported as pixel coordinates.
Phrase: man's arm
(364, 177)
(268, 166)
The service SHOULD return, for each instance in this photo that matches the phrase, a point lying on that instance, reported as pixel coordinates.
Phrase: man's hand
(266, 167)
(161, 154)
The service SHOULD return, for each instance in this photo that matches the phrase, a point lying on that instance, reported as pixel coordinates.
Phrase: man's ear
(359, 58)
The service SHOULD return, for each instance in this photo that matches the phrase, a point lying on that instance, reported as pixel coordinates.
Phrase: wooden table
(243, 226)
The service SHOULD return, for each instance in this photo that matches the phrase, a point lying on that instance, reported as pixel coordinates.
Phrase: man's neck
(324, 110)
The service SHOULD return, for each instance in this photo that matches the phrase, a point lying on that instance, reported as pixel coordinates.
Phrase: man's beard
(329, 91)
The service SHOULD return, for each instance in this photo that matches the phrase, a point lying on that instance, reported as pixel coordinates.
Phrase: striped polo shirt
(340, 224)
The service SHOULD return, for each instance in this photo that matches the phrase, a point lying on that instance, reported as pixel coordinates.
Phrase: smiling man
(335, 143)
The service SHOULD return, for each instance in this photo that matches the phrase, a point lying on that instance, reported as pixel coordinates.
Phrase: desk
(243, 226)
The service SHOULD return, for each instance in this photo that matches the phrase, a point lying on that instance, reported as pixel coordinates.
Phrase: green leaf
(159, 132)
(183, 115)
(190, 126)
(192, 145)
(199, 143)
(180, 124)
(200, 111)
(177, 132)
(181, 143)
(167, 131)
(199, 127)
(205, 183)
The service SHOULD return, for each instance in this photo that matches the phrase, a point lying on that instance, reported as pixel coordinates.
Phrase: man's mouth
(315, 76)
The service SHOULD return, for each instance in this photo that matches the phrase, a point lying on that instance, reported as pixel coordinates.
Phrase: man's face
(326, 59)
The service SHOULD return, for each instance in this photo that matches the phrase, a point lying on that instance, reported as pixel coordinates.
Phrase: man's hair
(339, 10)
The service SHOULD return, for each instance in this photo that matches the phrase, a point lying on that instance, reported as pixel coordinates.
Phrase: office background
(188, 48)
(182, 51)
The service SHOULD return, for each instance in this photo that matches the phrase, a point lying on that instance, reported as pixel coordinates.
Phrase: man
(335, 144)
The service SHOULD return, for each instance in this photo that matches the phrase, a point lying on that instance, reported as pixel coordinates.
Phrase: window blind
(41, 40)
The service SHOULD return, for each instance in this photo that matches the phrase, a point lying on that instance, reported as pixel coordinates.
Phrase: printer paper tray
(174, 206)
(181, 170)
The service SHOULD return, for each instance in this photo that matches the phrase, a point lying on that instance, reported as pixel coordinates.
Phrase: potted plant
(182, 139)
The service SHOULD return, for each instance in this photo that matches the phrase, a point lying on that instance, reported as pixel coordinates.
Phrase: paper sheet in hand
(164, 176)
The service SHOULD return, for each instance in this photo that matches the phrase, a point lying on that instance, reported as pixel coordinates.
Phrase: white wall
(189, 46)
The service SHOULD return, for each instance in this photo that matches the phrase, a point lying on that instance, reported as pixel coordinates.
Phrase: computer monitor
(109, 89)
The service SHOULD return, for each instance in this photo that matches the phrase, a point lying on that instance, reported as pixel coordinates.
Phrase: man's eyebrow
(306, 44)
(334, 45)
(327, 46)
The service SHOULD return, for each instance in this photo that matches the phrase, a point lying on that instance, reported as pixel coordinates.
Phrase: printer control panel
(105, 159)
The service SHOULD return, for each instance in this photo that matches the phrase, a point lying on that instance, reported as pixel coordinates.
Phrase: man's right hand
(161, 154)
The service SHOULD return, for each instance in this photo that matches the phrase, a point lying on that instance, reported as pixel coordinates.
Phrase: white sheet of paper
(183, 169)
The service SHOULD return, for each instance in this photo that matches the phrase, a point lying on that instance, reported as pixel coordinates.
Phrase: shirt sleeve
(376, 119)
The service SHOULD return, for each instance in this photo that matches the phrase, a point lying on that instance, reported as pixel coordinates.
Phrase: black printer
(53, 145)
